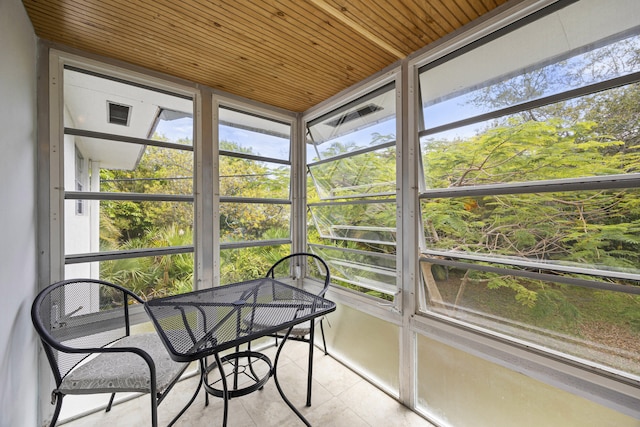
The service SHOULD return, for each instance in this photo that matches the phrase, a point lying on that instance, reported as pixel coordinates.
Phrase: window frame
(381, 82)
(588, 380)
(232, 104)
(58, 257)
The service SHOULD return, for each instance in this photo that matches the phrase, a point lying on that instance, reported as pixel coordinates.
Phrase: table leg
(225, 391)
(275, 379)
(310, 367)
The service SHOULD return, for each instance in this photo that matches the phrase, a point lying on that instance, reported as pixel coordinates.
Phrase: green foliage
(142, 224)
(631, 315)
(598, 227)
(364, 174)
(554, 307)
(595, 135)
(153, 276)
(249, 263)
(523, 295)
(159, 171)
(252, 179)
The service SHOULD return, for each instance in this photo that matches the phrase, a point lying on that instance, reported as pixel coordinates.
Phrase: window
(133, 184)
(351, 160)
(255, 193)
(529, 198)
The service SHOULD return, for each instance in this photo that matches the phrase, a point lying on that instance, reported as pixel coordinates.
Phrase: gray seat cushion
(263, 319)
(117, 372)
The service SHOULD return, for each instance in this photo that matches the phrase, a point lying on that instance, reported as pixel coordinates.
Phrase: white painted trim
(408, 151)
(56, 165)
(203, 161)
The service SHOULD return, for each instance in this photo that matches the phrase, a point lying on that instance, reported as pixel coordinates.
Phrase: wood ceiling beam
(324, 6)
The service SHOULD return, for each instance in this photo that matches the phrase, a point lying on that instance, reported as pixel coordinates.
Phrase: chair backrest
(300, 264)
(75, 317)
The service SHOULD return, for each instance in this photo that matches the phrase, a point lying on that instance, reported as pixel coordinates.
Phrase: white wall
(78, 233)
(18, 278)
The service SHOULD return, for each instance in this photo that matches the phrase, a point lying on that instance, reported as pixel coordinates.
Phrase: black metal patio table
(199, 324)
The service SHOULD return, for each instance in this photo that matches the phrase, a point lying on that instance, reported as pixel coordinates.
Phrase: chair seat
(263, 319)
(118, 372)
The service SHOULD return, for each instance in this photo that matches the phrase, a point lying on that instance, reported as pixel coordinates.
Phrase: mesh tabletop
(200, 323)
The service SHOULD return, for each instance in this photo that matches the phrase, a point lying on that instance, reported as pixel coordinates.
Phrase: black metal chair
(85, 329)
(293, 267)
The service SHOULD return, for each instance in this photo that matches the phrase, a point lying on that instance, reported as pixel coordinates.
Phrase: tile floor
(340, 398)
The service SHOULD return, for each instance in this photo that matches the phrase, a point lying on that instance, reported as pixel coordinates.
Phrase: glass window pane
(251, 134)
(585, 125)
(363, 123)
(559, 56)
(237, 265)
(370, 272)
(592, 324)
(241, 222)
(147, 277)
(598, 229)
(367, 174)
(173, 126)
(589, 136)
(361, 222)
(252, 178)
(111, 225)
(146, 169)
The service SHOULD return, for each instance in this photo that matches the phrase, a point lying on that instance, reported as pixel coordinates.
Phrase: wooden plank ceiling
(291, 54)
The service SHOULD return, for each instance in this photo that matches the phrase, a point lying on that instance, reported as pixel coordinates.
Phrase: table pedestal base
(245, 366)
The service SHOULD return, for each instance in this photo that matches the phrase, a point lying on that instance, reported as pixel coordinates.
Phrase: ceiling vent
(352, 115)
(119, 114)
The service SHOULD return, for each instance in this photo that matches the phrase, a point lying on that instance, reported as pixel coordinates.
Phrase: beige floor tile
(334, 376)
(374, 405)
(340, 399)
(332, 413)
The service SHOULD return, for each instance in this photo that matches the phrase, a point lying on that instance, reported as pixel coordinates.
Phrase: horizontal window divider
(354, 202)
(534, 275)
(536, 103)
(362, 227)
(606, 182)
(354, 153)
(102, 321)
(254, 157)
(391, 292)
(354, 251)
(353, 239)
(360, 196)
(128, 139)
(229, 199)
(136, 197)
(130, 253)
(254, 243)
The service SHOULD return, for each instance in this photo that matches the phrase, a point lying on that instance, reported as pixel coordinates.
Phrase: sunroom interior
(468, 169)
